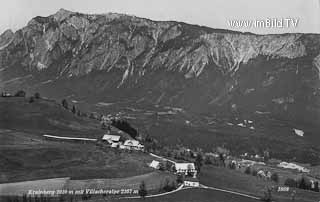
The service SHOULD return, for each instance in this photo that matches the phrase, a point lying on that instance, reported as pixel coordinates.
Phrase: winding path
(200, 187)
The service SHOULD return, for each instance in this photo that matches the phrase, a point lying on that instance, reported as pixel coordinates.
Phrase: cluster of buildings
(293, 166)
(186, 169)
(115, 141)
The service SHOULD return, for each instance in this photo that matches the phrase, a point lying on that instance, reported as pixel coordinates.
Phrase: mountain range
(224, 76)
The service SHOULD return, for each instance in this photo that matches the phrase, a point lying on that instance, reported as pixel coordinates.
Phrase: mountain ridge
(116, 58)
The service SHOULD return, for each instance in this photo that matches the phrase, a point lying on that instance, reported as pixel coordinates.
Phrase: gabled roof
(154, 164)
(133, 143)
(184, 166)
(111, 137)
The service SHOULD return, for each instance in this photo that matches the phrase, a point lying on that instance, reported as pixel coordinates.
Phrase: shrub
(142, 189)
(74, 109)
(180, 178)
(207, 160)
(31, 99)
(254, 172)
(20, 93)
(65, 104)
(37, 95)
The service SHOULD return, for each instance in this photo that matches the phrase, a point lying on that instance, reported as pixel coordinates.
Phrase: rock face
(169, 63)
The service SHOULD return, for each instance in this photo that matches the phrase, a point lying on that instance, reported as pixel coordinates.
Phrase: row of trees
(126, 127)
(73, 109)
(302, 183)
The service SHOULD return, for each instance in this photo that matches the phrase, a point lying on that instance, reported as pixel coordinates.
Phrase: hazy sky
(15, 14)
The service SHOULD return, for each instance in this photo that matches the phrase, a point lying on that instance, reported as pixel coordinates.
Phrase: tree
(275, 177)
(65, 104)
(222, 159)
(302, 183)
(254, 172)
(126, 127)
(198, 162)
(24, 198)
(91, 116)
(232, 165)
(180, 178)
(20, 93)
(266, 156)
(190, 170)
(290, 182)
(247, 170)
(103, 126)
(207, 160)
(31, 99)
(168, 165)
(37, 95)
(162, 166)
(316, 186)
(74, 109)
(142, 190)
(267, 195)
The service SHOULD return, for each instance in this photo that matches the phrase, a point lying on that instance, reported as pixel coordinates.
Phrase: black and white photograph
(160, 101)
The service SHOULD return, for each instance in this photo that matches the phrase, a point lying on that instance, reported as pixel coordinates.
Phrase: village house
(186, 169)
(113, 140)
(133, 145)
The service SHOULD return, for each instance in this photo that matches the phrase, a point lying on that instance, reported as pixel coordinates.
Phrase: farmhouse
(111, 138)
(186, 168)
(155, 164)
(133, 145)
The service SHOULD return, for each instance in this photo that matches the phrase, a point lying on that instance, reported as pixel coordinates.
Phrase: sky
(241, 15)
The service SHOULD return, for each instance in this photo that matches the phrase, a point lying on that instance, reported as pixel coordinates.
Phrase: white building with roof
(155, 164)
(293, 166)
(133, 145)
(111, 138)
(186, 168)
(191, 182)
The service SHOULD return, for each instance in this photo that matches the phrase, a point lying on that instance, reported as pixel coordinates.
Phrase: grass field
(38, 158)
(20, 188)
(154, 181)
(45, 116)
(238, 181)
(26, 155)
(191, 195)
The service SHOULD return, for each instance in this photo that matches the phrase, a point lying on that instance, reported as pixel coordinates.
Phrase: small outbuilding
(155, 164)
(191, 182)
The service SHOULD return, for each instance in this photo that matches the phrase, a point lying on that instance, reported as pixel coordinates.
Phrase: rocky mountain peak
(70, 45)
(62, 14)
